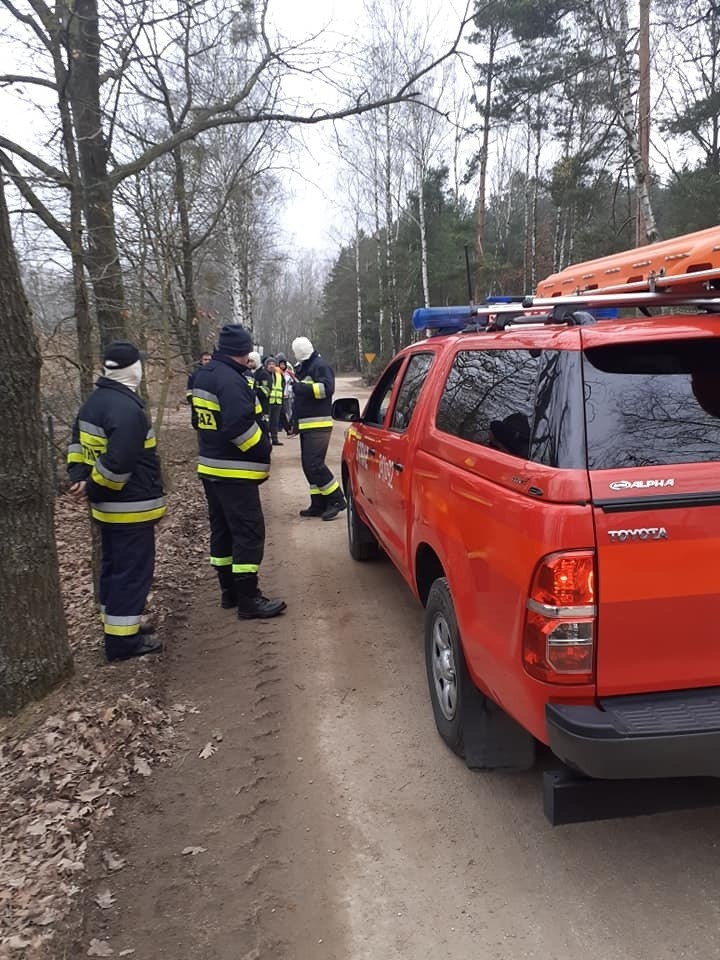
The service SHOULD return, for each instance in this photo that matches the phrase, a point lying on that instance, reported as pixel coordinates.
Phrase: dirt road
(333, 823)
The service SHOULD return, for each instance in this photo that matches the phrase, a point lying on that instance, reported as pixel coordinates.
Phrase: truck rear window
(654, 403)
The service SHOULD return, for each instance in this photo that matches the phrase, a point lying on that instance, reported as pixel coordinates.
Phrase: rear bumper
(675, 734)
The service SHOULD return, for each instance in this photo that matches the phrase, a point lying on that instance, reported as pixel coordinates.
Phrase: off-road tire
(476, 729)
(362, 543)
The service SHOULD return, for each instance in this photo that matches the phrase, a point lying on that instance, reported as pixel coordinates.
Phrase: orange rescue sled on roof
(689, 264)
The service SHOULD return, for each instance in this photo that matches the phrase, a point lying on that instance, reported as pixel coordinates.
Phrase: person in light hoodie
(313, 390)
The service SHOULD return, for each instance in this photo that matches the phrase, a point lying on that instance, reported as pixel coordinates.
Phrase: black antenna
(468, 274)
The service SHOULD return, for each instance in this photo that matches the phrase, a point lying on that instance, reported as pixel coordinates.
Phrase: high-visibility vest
(276, 390)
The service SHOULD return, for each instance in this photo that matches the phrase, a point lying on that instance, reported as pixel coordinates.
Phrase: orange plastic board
(689, 264)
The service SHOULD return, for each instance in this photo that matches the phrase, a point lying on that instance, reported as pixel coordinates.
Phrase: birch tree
(80, 30)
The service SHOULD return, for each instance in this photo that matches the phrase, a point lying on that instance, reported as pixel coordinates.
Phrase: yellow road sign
(370, 357)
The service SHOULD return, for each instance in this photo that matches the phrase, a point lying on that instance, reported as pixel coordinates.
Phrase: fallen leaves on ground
(142, 767)
(104, 899)
(207, 751)
(100, 948)
(112, 861)
(64, 763)
(57, 786)
(193, 851)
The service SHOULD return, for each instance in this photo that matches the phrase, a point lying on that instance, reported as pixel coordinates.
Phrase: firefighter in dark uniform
(262, 385)
(202, 360)
(313, 389)
(112, 459)
(234, 459)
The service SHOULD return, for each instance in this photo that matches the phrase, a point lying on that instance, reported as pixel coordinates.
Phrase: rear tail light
(559, 637)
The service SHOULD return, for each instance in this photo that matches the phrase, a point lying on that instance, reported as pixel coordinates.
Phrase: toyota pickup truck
(545, 475)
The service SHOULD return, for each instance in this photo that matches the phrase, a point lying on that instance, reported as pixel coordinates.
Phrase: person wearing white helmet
(313, 390)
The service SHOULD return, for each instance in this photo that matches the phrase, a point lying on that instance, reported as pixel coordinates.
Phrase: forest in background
(149, 187)
(592, 128)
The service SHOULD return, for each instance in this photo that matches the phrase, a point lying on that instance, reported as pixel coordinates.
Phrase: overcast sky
(312, 216)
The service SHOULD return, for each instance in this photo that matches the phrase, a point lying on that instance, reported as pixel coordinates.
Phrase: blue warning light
(445, 318)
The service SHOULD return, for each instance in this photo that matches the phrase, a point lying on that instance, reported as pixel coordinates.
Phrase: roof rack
(684, 271)
(573, 310)
(601, 298)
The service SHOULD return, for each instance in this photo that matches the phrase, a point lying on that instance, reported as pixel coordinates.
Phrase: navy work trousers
(128, 562)
(237, 532)
(314, 445)
(275, 410)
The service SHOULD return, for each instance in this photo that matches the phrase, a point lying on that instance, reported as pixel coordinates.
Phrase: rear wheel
(447, 676)
(361, 540)
(470, 724)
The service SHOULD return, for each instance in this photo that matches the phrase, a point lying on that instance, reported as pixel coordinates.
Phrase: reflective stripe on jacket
(113, 448)
(313, 393)
(232, 443)
(276, 389)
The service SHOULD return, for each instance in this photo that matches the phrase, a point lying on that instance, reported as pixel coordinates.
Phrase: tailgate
(659, 593)
(652, 412)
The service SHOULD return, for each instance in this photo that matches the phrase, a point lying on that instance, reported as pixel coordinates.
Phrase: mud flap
(568, 797)
(493, 740)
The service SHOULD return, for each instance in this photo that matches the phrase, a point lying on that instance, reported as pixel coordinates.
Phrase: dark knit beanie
(120, 354)
(235, 340)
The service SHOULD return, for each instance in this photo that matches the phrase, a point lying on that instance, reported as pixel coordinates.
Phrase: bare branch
(30, 22)
(8, 78)
(52, 172)
(33, 201)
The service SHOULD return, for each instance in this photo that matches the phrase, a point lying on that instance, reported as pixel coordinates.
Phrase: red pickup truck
(546, 478)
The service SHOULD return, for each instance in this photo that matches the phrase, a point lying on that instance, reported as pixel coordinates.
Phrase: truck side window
(379, 401)
(489, 398)
(415, 375)
(558, 438)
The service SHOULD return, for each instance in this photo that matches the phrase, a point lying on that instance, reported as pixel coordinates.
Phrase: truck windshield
(654, 403)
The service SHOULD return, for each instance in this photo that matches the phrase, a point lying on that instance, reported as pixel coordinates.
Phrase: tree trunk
(358, 294)
(81, 300)
(382, 335)
(34, 653)
(535, 202)
(190, 345)
(389, 245)
(83, 320)
(103, 258)
(236, 292)
(423, 238)
(626, 111)
(527, 203)
(484, 153)
(644, 106)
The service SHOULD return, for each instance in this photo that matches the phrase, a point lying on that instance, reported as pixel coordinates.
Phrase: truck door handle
(399, 467)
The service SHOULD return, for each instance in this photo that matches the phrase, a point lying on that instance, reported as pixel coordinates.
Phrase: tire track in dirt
(206, 905)
(248, 895)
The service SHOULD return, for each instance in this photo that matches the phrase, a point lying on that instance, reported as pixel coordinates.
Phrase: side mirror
(347, 409)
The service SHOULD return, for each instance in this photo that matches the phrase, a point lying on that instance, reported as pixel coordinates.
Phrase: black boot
(259, 608)
(125, 648)
(316, 508)
(228, 599)
(335, 503)
(251, 604)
